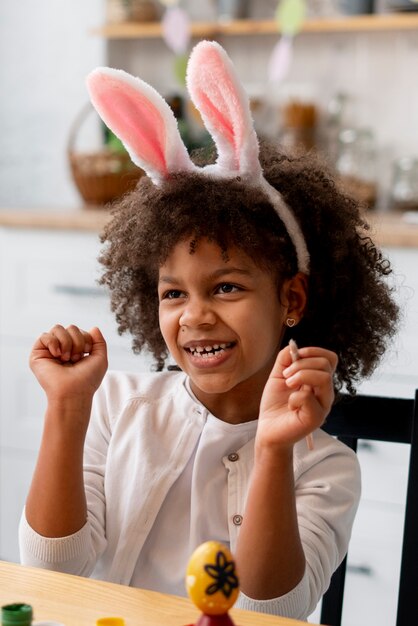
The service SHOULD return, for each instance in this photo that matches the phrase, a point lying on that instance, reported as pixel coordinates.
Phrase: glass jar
(228, 10)
(356, 165)
(144, 11)
(404, 191)
(118, 11)
(355, 7)
(299, 125)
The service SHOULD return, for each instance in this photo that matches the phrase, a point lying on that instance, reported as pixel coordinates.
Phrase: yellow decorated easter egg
(211, 579)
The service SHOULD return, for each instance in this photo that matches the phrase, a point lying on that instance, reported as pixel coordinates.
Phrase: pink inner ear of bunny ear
(133, 118)
(218, 116)
(223, 104)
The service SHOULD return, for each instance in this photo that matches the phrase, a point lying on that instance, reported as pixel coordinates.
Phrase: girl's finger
(318, 398)
(308, 408)
(64, 339)
(313, 378)
(98, 341)
(284, 364)
(283, 361)
(319, 387)
(49, 342)
(322, 353)
(81, 342)
(312, 363)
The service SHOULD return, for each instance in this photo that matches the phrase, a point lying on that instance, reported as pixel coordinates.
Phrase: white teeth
(207, 351)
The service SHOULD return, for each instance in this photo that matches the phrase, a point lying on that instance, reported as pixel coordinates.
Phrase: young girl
(218, 266)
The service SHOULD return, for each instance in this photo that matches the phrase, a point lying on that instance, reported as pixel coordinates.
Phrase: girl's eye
(227, 288)
(172, 294)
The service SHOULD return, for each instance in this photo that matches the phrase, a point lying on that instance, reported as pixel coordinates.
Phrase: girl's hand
(69, 362)
(297, 397)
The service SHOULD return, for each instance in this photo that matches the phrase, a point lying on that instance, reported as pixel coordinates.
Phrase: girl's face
(222, 321)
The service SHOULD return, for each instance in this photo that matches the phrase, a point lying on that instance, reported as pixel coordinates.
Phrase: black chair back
(381, 419)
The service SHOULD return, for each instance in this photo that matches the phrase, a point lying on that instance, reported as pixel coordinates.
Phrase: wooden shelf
(345, 24)
(149, 30)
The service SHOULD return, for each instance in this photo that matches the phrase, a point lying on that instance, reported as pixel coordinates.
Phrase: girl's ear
(294, 296)
(142, 120)
(224, 106)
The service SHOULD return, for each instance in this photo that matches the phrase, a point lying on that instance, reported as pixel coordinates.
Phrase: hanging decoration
(290, 15)
(176, 32)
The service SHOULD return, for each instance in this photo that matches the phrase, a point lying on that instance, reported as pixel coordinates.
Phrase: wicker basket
(100, 176)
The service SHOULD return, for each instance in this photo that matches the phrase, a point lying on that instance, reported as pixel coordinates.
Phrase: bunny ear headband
(146, 125)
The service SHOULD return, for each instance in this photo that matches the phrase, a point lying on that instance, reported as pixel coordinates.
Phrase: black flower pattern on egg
(224, 574)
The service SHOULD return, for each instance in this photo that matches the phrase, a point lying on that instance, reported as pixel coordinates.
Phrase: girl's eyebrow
(215, 275)
(230, 270)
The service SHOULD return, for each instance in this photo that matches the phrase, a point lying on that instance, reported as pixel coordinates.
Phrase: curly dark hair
(350, 308)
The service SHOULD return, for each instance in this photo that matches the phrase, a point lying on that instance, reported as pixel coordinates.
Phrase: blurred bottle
(228, 10)
(118, 11)
(334, 122)
(299, 125)
(191, 129)
(354, 7)
(356, 164)
(404, 191)
(144, 11)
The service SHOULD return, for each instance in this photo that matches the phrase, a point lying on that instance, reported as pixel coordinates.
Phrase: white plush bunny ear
(225, 109)
(142, 120)
(224, 106)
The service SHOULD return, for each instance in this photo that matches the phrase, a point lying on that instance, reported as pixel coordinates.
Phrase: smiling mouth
(205, 352)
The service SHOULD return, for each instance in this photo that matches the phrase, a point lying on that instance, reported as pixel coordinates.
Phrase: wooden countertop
(393, 230)
(90, 219)
(388, 229)
(77, 601)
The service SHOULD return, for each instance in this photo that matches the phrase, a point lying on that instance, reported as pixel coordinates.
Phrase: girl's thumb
(99, 342)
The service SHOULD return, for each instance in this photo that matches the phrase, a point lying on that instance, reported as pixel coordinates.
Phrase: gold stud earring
(290, 322)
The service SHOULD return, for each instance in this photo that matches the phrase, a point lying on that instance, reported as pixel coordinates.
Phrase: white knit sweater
(143, 430)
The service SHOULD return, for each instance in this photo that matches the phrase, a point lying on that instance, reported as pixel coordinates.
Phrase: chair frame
(378, 418)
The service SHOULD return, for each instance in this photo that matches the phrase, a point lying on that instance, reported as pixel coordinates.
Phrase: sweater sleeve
(289, 605)
(327, 487)
(78, 553)
(61, 554)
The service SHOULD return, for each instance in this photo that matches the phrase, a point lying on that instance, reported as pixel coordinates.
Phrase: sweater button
(233, 457)
(237, 519)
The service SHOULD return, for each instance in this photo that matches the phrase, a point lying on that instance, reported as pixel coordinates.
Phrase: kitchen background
(357, 82)
(48, 48)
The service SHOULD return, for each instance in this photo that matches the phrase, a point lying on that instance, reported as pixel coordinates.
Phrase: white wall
(46, 51)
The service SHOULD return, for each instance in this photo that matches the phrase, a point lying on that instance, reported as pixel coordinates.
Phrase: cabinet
(46, 277)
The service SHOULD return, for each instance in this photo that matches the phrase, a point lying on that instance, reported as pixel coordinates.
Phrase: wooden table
(77, 601)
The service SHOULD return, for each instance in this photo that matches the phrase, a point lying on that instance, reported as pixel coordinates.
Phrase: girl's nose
(197, 313)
